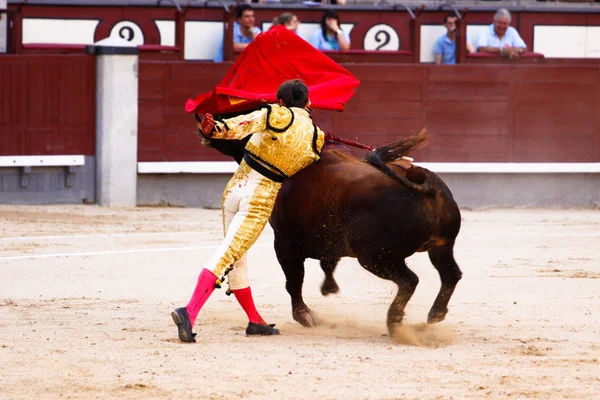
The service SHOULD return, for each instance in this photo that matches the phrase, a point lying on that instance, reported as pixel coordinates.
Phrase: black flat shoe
(257, 329)
(184, 327)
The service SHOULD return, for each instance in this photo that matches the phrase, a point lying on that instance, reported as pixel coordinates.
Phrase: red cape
(270, 59)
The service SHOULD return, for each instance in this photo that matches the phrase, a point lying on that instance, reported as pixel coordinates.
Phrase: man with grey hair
(500, 38)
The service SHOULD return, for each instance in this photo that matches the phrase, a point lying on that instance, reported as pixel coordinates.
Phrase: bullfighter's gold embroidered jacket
(285, 139)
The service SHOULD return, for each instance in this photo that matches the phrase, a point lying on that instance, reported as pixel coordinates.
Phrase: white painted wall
(592, 48)
(62, 31)
(565, 41)
(202, 40)
(167, 32)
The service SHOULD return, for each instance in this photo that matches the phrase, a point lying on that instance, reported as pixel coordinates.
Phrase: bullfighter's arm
(270, 117)
(241, 126)
(273, 117)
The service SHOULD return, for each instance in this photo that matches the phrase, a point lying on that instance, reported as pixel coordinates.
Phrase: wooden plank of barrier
(180, 31)
(489, 58)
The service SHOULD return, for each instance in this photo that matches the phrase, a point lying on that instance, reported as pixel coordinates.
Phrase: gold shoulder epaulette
(279, 118)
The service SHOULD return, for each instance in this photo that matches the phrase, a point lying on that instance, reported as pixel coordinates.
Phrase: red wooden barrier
(146, 51)
(48, 104)
(500, 113)
(166, 132)
(490, 58)
(364, 56)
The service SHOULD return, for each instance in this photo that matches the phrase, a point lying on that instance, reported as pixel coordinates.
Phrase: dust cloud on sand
(424, 335)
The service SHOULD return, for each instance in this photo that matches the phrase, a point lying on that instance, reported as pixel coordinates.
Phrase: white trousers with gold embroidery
(248, 201)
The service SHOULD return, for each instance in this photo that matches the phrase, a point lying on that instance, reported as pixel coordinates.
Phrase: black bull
(372, 209)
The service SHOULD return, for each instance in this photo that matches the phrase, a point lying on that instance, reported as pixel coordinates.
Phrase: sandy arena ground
(86, 295)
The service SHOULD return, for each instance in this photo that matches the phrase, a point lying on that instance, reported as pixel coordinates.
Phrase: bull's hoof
(394, 322)
(330, 286)
(304, 318)
(436, 316)
(393, 328)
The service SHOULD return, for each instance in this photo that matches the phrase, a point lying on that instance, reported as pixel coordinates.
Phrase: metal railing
(174, 2)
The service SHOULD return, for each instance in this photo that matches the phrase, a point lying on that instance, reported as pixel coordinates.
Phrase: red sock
(244, 297)
(203, 290)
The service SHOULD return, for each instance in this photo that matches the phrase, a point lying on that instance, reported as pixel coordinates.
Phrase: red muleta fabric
(269, 60)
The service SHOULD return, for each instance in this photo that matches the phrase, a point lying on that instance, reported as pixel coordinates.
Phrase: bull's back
(341, 202)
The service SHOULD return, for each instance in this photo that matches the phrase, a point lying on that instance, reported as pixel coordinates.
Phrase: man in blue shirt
(244, 30)
(445, 46)
(500, 38)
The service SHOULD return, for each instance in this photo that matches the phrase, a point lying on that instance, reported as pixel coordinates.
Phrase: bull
(377, 209)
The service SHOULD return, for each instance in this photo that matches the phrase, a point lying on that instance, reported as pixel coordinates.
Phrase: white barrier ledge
(511, 168)
(226, 167)
(41, 161)
(187, 167)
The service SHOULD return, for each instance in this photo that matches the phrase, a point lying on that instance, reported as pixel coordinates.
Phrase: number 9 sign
(129, 31)
(381, 37)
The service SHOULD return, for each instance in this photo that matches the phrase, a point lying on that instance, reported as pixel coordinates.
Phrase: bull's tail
(382, 155)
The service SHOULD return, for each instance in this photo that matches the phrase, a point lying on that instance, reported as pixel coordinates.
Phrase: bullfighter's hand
(207, 125)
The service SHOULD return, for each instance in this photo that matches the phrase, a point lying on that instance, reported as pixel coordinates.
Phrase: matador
(284, 141)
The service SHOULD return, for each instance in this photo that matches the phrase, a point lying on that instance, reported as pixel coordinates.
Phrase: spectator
(500, 38)
(445, 47)
(288, 20)
(329, 36)
(276, 21)
(244, 30)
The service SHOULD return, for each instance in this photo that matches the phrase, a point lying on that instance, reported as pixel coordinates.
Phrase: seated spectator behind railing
(288, 20)
(500, 38)
(445, 47)
(244, 30)
(329, 36)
